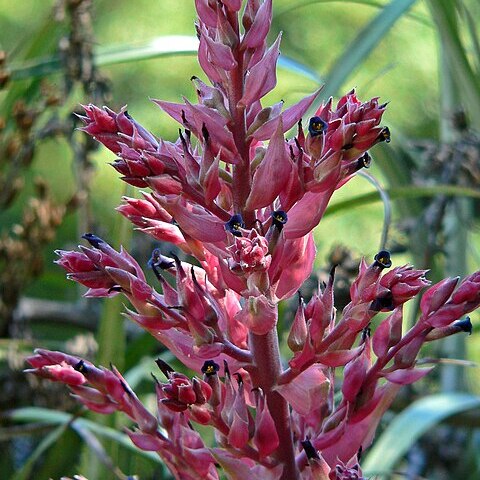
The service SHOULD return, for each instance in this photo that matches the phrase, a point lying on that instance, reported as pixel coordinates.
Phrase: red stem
(241, 171)
(267, 369)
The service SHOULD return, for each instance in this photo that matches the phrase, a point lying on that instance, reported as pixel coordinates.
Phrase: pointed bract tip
(226, 369)
(92, 239)
(164, 367)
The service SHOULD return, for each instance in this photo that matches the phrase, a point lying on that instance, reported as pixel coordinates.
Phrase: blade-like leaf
(299, 68)
(165, 46)
(370, 3)
(403, 192)
(52, 437)
(410, 425)
(53, 417)
(443, 13)
(363, 44)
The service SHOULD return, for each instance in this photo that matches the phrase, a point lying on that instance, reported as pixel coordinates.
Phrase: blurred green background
(423, 57)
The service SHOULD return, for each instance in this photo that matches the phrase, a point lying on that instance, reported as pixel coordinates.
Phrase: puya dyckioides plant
(243, 200)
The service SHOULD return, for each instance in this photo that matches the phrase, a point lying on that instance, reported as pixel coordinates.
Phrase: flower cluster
(242, 200)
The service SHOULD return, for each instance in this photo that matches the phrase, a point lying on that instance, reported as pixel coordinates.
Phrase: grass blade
(165, 46)
(363, 44)
(26, 470)
(401, 193)
(53, 417)
(410, 425)
(369, 3)
(444, 15)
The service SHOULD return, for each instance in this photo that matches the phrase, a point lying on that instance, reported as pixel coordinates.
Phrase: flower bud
(298, 332)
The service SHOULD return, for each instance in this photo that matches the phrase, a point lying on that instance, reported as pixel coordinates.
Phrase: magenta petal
(306, 392)
(272, 174)
(244, 468)
(338, 358)
(206, 14)
(197, 222)
(305, 215)
(233, 5)
(210, 70)
(149, 443)
(266, 437)
(164, 231)
(437, 295)
(172, 109)
(388, 333)
(262, 77)
(290, 117)
(354, 376)
(406, 377)
(297, 264)
(258, 314)
(257, 33)
(219, 54)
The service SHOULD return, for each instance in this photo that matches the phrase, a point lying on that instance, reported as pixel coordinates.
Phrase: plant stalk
(267, 369)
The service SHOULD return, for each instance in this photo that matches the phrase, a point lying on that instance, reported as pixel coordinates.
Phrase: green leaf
(363, 45)
(403, 192)
(370, 3)
(53, 417)
(165, 46)
(410, 425)
(444, 15)
(299, 68)
(37, 44)
(53, 436)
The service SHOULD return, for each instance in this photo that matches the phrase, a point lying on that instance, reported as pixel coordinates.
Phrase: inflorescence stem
(267, 368)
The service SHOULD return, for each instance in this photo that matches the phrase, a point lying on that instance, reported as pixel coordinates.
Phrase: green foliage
(408, 426)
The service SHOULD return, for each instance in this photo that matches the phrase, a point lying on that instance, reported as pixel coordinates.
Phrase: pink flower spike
(262, 77)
